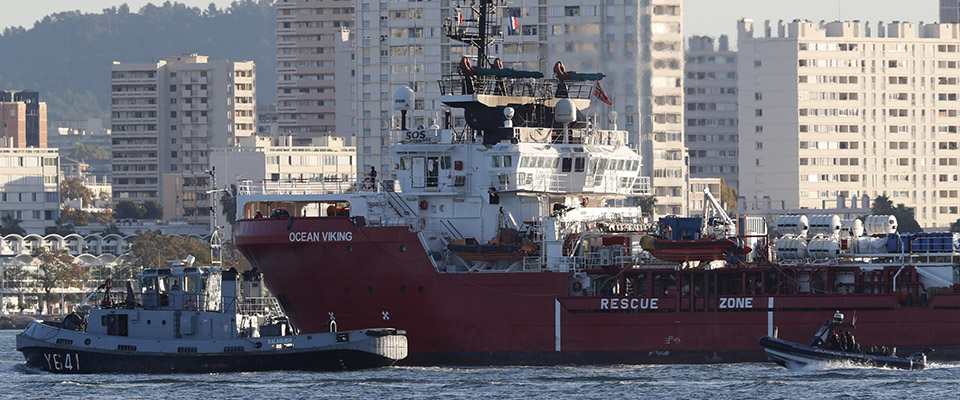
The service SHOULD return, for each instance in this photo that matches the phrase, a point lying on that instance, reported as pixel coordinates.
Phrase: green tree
(152, 209)
(128, 209)
(74, 216)
(85, 152)
(60, 228)
(111, 229)
(57, 269)
(151, 250)
(647, 203)
(955, 226)
(228, 202)
(906, 218)
(104, 217)
(73, 188)
(10, 225)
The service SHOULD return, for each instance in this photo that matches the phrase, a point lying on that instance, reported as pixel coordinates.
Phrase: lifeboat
(708, 249)
(507, 245)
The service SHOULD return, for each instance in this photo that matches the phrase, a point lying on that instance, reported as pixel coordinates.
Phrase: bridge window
(566, 165)
(507, 161)
(578, 164)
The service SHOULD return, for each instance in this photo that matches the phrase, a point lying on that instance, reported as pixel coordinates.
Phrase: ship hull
(384, 276)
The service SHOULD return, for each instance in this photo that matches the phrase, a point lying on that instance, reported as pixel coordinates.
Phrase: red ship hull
(369, 276)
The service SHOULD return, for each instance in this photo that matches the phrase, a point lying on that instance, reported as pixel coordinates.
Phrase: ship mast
(481, 32)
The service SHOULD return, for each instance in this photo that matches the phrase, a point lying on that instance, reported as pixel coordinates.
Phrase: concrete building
(327, 163)
(949, 11)
(23, 119)
(845, 109)
(267, 120)
(30, 187)
(711, 109)
(168, 115)
(638, 45)
(697, 199)
(308, 34)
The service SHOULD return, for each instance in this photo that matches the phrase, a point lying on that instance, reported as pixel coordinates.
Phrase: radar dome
(403, 99)
(566, 111)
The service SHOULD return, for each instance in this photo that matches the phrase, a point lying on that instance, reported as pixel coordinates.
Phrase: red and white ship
(510, 242)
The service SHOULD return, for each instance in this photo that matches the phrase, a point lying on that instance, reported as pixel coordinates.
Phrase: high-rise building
(308, 35)
(168, 115)
(949, 11)
(637, 45)
(845, 109)
(711, 114)
(23, 119)
(30, 187)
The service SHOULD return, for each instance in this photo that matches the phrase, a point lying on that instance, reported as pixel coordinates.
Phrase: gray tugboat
(187, 319)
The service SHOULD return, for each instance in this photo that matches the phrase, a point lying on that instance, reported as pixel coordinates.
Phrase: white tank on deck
(824, 225)
(870, 245)
(791, 247)
(851, 228)
(824, 247)
(793, 225)
(881, 224)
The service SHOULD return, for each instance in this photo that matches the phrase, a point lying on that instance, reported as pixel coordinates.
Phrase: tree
(152, 250)
(955, 226)
(228, 201)
(728, 195)
(73, 188)
(57, 270)
(647, 203)
(60, 228)
(111, 229)
(152, 209)
(10, 225)
(128, 209)
(104, 217)
(906, 219)
(84, 152)
(74, 216)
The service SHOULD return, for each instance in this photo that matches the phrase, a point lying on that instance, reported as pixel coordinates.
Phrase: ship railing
(297, 186)
(265, 306)
(456, 85)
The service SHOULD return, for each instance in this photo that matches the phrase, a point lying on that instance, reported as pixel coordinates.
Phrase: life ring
(423, 204)
(367, 183)
(577, 286)
(190, 304)
(583, 201)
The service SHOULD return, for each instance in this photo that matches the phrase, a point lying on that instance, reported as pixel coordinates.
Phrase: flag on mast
(513, 23)
(598, 91)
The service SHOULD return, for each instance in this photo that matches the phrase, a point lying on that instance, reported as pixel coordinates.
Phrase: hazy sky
(701, 17)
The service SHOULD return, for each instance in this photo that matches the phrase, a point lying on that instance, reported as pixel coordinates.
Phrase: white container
(851, 228)
(824, 225)
(881, 224)
(824, 247)
(791, 248)
(870, 245)
(792, 225)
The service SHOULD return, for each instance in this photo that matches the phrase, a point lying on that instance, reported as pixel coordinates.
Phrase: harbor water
(716, 381)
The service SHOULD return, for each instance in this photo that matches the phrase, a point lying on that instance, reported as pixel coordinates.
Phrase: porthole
(87, 342)
(443, 208)
(403, 289)
(349, 249)
(370, 289)
(163, 322)
(346, 289)
(148, 322)
(420, 289)
(403, 248)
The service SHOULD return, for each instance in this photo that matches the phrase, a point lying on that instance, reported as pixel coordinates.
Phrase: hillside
(67, 55)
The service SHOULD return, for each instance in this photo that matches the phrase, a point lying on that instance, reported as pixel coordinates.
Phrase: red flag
(598, 91)
(460, 17)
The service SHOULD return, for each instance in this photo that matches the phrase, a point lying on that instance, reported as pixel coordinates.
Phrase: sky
(701, 17)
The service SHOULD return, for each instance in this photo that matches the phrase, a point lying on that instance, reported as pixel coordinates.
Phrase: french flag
(513, 23)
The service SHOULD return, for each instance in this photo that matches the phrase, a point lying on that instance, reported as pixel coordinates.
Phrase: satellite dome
(403, 98)
(566, 111)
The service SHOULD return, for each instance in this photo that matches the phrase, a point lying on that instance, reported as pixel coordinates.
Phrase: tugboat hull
(57, 350)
